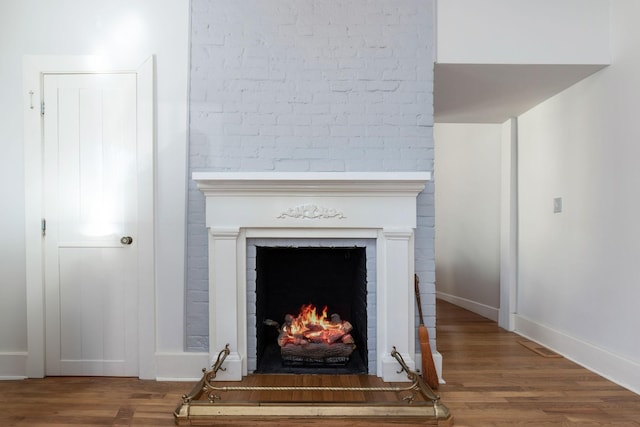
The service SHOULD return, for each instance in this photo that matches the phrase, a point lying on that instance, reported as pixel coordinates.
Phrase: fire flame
(309, 326)
(308, 320)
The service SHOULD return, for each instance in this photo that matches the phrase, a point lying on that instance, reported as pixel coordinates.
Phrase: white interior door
(90, 237)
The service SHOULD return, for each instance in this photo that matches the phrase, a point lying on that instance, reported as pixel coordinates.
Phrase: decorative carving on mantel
(311, 212)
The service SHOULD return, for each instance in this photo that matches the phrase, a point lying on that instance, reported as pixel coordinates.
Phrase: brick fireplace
(323, 208)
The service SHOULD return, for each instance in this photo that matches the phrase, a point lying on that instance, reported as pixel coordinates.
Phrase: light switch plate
(557, 205)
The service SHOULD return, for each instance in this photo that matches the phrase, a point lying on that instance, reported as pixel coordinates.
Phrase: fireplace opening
(290, 278)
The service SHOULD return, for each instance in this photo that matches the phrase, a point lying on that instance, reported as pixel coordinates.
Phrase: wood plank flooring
(492, 380)
(88, 401)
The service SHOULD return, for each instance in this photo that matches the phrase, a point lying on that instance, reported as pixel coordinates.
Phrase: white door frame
(34, 67)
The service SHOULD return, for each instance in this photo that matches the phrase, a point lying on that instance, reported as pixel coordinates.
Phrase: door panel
(90, 203)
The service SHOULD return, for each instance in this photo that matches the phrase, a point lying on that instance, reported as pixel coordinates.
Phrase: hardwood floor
(492, 380)
(88, 401)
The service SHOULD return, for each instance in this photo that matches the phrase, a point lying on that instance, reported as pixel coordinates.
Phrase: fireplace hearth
(324, 206)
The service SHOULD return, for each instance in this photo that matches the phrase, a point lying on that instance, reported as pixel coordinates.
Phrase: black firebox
(288, 278)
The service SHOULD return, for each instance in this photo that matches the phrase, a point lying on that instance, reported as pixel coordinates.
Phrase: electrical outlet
(557, 205)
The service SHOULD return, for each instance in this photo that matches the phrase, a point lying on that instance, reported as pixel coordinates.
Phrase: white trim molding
(13, 365)
(613, 367)
(483, 310)
(181, 366)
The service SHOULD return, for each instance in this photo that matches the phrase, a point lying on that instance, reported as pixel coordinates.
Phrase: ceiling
(493, 93)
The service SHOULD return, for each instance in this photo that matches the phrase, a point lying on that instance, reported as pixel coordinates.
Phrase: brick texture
(308, 85)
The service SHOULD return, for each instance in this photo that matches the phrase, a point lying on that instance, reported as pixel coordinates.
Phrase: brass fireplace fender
(193, 409)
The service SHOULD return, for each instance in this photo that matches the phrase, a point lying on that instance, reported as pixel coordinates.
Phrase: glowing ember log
(313, 338)
(309, 327)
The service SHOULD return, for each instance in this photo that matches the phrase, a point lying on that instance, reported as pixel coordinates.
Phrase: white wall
(124, 33)
(468, 178)
(523, 31)
(579, 275)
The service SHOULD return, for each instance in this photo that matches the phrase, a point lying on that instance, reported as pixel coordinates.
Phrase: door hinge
(42, 108)
(43, 227)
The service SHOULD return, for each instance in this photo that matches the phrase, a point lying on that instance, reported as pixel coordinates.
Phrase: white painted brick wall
(309, 85)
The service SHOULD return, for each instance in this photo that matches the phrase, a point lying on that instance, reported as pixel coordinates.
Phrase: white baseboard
(169, 366)
(483, 310)
(13, 365)
(620, 370)
(181, 366)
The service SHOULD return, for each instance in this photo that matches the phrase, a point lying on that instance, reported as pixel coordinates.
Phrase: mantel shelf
(341, 182)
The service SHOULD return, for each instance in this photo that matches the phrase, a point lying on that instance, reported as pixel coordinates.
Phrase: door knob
(126, 240)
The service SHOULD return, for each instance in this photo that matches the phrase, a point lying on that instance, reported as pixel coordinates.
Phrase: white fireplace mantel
(380, 205)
